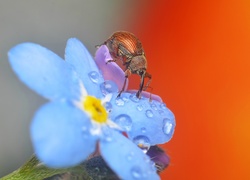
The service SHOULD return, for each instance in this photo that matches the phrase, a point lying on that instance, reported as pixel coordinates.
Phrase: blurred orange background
(198, 53)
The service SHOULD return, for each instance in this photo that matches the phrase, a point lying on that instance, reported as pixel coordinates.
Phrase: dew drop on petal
(161, 112)
(142, 142)
(167, 126)
(133, 98)
(149, 113)
(136, 172)
(124, 121)
(163, 106)
(153, 106)
(130, 156)
(85, 131)
(143, 129)
(108, 106)
(119, 101)
(94, 76)
(139, 107)
(108, 87)
(125, 99)
(107, 134)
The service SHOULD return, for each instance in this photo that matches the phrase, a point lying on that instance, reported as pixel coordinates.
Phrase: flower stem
(34, 169)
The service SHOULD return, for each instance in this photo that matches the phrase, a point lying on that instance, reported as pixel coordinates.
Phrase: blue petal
(60, 135)
(43, 71)
(126, 159)
(151, 121)
(78, 56)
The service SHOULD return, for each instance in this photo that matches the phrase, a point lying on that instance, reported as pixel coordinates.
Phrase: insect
(127, 47)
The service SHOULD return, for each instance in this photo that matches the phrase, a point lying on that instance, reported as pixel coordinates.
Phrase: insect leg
(127, 73)
(138, 94)
(149, 81)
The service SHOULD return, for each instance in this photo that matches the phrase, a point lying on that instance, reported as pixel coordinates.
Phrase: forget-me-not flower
(83, 111)
(66, 130)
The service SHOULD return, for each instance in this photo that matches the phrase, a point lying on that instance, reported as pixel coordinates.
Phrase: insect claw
(119, 94)
(138, 94)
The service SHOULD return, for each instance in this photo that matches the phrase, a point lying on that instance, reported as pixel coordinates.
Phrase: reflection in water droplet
(136, 172)
(139, 107)
(108, 87)
(124, 121)
(119, 101)
(149, 113)
(133, 98)
(153, 106)
(108, 106)
(142, 142)
(94, 76)
(168, 126)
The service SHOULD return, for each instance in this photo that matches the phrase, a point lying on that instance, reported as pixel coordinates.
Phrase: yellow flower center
(95, 108)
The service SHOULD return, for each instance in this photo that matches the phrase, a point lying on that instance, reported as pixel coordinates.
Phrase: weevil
(126, 47)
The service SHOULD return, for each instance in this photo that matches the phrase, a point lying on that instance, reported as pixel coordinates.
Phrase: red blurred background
(198, 53)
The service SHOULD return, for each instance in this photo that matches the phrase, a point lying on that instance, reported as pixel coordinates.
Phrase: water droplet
(108, 87)
(119, 101)
(143, 129)
(153, 106)
(149, 113)
(107, 135)
(168, 126)
(161, 112)
(124, 121)
(142, 142)
(163, 106)
(108, 106)
(133, 98)
(139, 107)
(125, 99)
(136, 172)
(94, 76)
(85, 132)
(130, 156)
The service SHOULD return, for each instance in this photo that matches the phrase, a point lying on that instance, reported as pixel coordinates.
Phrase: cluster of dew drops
(124, 120)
